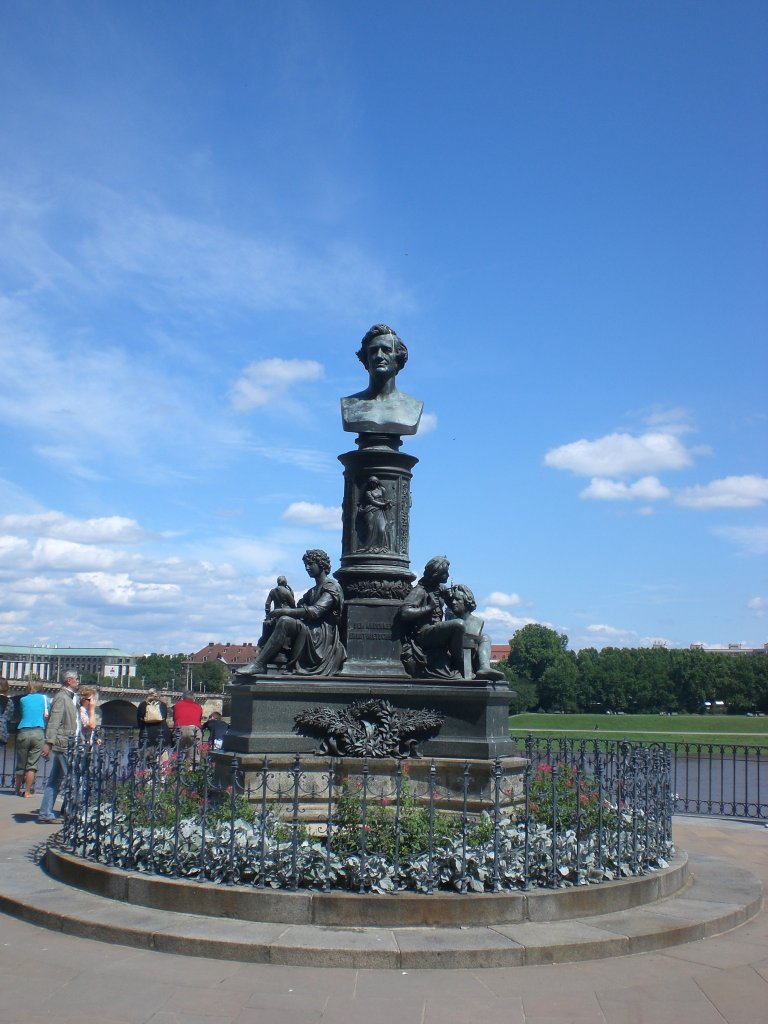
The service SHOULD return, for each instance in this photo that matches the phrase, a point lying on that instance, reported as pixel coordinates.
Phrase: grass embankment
(646, 728)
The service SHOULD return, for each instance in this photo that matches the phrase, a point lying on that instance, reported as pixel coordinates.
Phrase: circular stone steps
(715, 897)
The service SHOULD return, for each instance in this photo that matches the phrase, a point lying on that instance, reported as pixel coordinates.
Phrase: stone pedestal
(316, 782)
(374, 572)
(475, 712)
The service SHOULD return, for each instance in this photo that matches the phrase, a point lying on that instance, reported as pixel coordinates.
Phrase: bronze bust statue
(381, 408)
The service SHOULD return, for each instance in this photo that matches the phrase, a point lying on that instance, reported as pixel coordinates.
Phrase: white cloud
(674, 420)
(13, 550)
(759, 606)
(610, 632)
(600, 634)
(107, 529)
(268, 381)
(68, 459)
(114, 404)
(617, 455)
(656, 641)
(125, 586)
(500, 624)
(753, 539)
(427, 423)
(309, 514)
(498, 597)
(121, 589)
(648, 488)
(52, 553)
(309, 459)
(156, 256)
(730, 492)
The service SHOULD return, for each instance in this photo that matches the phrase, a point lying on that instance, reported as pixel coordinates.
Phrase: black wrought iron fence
(567, 821)
(706, 778)
(8, 757)
(729, 780)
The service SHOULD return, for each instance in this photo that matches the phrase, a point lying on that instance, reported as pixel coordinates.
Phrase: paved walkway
(51, 977)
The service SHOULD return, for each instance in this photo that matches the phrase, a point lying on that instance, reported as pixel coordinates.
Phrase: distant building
(232, 654)
(50, 663)
(730, 649)
(499, 652)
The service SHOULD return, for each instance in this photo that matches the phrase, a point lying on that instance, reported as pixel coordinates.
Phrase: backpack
(153, 712)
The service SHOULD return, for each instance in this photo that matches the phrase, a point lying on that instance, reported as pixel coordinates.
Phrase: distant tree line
(169, 671)
(546, 675)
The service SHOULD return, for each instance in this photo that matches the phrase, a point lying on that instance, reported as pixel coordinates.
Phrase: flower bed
(153, 812)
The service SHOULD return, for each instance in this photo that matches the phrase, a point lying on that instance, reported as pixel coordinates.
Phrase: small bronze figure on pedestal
(477, 644)
(280, 596)
(432, 646)
(308, 633)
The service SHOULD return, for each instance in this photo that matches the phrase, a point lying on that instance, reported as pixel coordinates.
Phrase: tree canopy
(547, 675)
(162, 671)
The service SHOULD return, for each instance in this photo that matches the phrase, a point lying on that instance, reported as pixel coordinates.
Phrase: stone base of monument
(308, 787)
(475, 713)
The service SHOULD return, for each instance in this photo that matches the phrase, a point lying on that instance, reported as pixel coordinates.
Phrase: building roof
(232, 654)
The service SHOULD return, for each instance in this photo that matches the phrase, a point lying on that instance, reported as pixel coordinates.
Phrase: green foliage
(161, 671)
(578, 801)
(525, 697)
(639, 679)
(533, 649)
(160, 796)
(381, 823)
(210, 677)
(168, 820)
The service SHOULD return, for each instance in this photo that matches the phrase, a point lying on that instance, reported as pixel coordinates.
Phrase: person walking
(63, 726)
(30, 733)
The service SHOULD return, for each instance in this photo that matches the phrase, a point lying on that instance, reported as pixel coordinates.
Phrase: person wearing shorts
(30, 736)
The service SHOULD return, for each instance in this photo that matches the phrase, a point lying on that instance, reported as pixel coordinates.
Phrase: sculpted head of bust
(381, 408)
(383, 354)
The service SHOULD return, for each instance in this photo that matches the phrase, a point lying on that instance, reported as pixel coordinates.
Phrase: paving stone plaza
(50, 975)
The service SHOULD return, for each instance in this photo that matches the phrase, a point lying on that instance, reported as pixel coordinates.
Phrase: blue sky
(561, 208)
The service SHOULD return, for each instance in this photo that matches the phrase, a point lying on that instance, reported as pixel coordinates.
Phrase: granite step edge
(681, 918)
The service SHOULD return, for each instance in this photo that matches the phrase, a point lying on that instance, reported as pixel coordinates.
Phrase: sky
(561, 208)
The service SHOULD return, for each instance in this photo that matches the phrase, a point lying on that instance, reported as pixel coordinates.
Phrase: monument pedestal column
(374, 572)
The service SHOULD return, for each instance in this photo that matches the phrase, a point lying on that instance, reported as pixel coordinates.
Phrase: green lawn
(648, 728)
